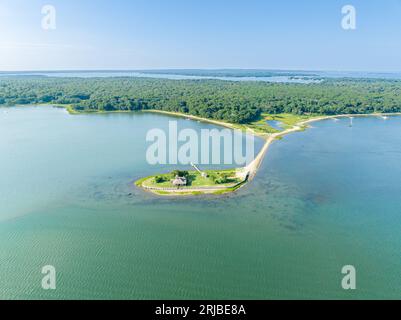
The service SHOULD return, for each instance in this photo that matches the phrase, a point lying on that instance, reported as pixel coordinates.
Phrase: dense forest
(238, 102)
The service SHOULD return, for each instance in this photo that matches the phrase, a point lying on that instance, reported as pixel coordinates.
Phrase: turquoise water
(324, 198)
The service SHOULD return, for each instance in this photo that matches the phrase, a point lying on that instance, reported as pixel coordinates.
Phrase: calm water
(324, 198)
(278, 125)
(277, 76)
(171, 76)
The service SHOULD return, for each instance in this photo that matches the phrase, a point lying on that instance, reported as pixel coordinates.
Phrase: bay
(324, 198)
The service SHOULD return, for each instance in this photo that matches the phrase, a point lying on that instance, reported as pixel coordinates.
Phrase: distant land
(240, 99)
(219, 73)
(238, 102)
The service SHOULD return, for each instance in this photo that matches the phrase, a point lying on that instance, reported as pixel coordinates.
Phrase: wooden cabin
(179, 181)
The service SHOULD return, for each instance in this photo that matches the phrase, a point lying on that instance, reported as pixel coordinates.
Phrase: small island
(194, 182)
(218, 182)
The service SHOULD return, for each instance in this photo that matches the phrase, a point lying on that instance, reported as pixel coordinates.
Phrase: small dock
(203, 174)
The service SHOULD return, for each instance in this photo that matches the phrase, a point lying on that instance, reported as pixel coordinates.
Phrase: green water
(324, 198)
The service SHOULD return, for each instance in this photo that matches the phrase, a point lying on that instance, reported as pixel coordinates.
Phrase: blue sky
(154, 34)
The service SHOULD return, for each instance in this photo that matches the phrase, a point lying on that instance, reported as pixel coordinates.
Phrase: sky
(200, 34)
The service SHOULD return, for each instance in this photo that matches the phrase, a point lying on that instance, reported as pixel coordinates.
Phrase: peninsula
(187, 183)
(245, 105)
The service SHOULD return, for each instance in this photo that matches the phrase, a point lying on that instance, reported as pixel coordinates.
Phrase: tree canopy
(232, 101)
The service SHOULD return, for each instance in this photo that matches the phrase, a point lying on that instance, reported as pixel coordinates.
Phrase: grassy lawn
(287, 120)
(194, 179)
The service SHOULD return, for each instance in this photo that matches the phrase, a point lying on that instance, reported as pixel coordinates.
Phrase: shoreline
(254, 166)
(252, 169)
(191, 117)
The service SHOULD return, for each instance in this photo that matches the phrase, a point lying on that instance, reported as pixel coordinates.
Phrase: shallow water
(277, 125)
(324, 198)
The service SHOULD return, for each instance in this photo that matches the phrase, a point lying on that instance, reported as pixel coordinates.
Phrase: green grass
(288, 120)
(261, 125)
(231, 189)
(195, 180)
(139, 182)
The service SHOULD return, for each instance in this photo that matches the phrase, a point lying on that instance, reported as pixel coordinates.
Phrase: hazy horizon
(201, 69)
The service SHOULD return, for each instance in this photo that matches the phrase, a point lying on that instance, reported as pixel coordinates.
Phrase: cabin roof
(180, 181)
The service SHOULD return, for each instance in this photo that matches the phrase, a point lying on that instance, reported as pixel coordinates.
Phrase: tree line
(237, 102)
